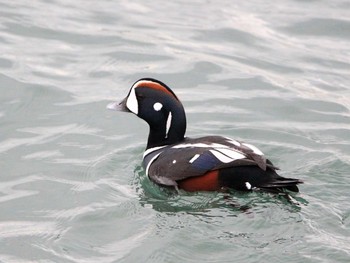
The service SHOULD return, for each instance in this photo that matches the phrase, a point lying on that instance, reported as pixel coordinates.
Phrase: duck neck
(171, 131)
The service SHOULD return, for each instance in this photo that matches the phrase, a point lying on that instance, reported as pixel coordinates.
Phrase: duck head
(155, 103)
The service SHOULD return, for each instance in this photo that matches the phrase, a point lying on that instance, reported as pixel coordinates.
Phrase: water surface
(273, 74)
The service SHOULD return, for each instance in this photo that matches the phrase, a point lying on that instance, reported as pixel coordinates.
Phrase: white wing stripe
(194, 158)
(252, 147)
(231, 153)
(234, 142)
(200, 145)
(223, 158)
(148, 151)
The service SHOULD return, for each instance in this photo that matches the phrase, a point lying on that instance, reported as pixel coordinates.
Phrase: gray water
(273, 73)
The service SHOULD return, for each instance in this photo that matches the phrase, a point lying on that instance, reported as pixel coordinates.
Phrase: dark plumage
(201, 164)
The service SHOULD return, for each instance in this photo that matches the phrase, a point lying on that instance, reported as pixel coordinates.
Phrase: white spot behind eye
(248, 185)
(132, 103)
(157, 106)
(174, 161)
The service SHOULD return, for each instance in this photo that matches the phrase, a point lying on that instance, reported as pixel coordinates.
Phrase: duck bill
(118, 106)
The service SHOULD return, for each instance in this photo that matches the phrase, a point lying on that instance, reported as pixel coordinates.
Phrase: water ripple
(72, 187)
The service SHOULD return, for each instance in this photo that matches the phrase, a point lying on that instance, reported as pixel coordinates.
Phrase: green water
(272, 74)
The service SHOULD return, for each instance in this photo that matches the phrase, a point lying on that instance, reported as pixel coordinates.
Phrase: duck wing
(195, 157)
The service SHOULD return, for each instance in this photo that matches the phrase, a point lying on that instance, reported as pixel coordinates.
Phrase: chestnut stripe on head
(154, 85)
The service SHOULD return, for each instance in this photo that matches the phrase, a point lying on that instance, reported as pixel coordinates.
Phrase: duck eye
(157, 106)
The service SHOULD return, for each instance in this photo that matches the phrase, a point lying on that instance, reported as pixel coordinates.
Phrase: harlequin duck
(195, 164)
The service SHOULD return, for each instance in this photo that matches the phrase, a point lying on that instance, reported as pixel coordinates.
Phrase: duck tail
(281, 183)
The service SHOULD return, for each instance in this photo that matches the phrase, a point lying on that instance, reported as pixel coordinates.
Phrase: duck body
(195, 164)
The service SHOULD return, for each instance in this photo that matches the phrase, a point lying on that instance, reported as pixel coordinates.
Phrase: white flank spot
(150, 162)
(222, 157)
(152, 150)
(231, 153)
(132, 103)
(194, 158)
(174, 161)
(255, 150)
(248, 185)
(168, 124)
(157, 106)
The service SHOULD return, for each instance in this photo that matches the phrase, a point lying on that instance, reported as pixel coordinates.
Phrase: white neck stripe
(151, 161)
(168, 124)
(148, 151)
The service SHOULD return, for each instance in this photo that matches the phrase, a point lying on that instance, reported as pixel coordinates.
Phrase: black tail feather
(249, 177)
(283, 183)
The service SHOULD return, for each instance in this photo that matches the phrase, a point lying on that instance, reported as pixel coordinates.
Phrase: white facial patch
(168, 124)
(157, 106)
(248, 185)
(131, 102)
